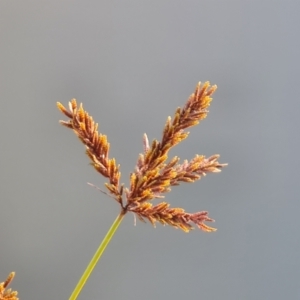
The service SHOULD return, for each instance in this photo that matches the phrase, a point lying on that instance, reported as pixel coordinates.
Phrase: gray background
(132, 63)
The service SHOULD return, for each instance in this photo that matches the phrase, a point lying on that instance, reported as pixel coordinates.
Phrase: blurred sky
(132, 63)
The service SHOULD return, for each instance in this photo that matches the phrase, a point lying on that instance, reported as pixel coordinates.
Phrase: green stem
(96, 256)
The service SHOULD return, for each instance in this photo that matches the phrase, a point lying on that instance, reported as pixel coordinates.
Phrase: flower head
(154, 175)
(8, 294)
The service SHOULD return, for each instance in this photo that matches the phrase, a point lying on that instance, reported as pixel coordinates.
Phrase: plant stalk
(96, 256)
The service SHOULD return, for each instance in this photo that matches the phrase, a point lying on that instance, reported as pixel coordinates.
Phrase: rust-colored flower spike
(153, 175)
(8, 294)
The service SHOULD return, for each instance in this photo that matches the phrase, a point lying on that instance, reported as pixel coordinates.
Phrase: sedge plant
(154, 173)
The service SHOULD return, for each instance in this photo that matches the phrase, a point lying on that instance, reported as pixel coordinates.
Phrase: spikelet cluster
(154, 174)
(8, 294)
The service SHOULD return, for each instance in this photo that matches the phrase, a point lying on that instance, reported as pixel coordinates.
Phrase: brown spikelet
(153, 175)
(97, 146)
(175, 217)
(8, 294)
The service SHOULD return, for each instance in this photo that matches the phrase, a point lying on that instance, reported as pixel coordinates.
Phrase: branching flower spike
(153, 175)
(8, 294)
